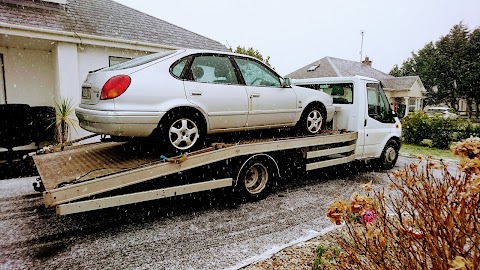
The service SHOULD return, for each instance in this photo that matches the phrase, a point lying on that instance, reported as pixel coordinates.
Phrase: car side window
(213, 69)
(178, 68)
(255, 74)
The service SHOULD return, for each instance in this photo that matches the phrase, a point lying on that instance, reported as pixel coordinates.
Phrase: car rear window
(139, 61)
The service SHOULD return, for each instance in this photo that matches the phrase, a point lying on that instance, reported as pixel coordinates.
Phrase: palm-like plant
(64, 111)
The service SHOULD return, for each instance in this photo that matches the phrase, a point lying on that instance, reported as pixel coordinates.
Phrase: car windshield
(139, 61)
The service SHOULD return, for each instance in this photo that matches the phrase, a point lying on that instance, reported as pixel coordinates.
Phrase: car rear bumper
(118, 123)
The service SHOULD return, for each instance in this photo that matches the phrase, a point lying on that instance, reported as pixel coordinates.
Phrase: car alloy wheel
(314, 121)
(183, 133)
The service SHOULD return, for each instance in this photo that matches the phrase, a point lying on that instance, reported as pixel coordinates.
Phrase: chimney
(367, 61)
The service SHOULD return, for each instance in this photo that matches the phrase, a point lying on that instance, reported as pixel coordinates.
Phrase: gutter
(80, 38)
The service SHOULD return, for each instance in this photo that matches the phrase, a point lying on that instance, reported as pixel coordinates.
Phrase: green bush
(325, 257)
(418, 126)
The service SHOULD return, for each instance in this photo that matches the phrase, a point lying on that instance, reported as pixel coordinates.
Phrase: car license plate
(86, 93)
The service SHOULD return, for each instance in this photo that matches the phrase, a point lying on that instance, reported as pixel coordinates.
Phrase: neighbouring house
(406, 94)
(47, 47)
(463, 107)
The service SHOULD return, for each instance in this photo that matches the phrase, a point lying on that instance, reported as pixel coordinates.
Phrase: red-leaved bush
(429, 218)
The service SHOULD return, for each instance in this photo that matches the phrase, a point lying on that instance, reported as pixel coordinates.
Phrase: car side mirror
(286, 82)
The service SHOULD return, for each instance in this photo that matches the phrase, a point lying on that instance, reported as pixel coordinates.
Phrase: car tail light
(115, 86)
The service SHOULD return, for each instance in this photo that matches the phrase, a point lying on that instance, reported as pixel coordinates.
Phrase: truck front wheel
(389, 155)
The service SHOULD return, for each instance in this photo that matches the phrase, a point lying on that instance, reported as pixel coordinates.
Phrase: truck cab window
(378, 106)
(342, 93)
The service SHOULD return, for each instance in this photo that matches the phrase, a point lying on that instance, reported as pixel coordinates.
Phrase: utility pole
(361, 46)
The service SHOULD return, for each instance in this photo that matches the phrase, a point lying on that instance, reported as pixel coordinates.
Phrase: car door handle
(255, 95)
(196, 93)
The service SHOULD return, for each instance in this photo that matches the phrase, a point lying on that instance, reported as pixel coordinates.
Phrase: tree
(449, 65)
(254, 53)
(396, 71)
(451, 62)
(472, 73)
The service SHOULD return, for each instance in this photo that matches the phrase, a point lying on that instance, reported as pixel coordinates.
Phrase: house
(47, 47)
(402, 92)
(463, 107)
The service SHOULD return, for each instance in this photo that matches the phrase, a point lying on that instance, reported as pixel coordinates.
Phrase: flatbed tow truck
(72, 177)
(96, 176)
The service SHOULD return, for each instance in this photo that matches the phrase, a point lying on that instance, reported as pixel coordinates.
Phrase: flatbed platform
(70, 177)
(88, 162)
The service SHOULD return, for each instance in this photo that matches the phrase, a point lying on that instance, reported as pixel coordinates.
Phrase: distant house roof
(102, 18)
(400, 83)
(336, 67)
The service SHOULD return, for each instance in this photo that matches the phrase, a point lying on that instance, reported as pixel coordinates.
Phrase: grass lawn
(414, 150)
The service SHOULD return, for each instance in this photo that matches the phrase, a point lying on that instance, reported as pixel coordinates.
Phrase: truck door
(379, 121)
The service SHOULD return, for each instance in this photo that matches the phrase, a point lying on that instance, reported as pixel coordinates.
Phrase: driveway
(202, 231)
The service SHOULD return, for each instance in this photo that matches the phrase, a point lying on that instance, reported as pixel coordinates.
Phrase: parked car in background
(180, 96)
(443, 111)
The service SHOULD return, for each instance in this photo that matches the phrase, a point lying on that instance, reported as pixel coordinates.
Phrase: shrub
(430, 219)
(325, 257)
(443, 130)
(418, 126)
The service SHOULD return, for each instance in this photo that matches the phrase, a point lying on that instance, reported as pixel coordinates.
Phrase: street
(200, 231)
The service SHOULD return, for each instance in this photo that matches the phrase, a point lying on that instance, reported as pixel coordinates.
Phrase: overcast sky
(297, 33)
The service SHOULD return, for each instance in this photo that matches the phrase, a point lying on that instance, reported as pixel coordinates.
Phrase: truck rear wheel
(255, 177)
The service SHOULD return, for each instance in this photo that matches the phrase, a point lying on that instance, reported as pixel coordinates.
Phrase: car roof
(438, 108)
(194, 51)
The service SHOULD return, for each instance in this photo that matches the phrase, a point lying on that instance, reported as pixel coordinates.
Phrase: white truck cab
(361, 105)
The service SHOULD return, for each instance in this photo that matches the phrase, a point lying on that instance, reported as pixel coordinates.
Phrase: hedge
(418, 126)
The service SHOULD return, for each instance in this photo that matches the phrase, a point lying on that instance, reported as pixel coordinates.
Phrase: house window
(3, 88)
(412, 104)
(114, 60)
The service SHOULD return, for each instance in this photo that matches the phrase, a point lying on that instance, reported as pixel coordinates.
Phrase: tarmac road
(201, 231)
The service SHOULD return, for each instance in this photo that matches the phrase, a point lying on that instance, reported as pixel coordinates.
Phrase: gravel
(202, 231)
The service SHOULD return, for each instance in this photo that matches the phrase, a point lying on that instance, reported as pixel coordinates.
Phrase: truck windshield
(378, 106)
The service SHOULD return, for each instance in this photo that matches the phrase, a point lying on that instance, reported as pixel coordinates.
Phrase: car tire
(182, 133)
(312, 120)
(389, 155)
(255, 178)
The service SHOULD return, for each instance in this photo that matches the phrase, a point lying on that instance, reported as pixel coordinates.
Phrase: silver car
(180, 96)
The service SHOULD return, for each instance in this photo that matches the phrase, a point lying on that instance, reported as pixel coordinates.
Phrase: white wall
(417, 90)
(38, 77)
(92, 58)
(29, 76)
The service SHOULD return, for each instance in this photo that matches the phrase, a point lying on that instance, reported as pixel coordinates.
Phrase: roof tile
(104, 18)
(336, 67)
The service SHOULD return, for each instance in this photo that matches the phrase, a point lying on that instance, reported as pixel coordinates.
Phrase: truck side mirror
(286, 82)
